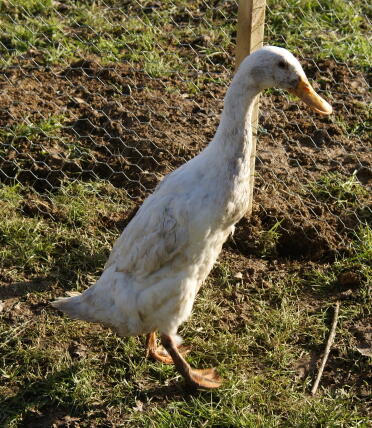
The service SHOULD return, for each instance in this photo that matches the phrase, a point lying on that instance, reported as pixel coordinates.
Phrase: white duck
(165, 253)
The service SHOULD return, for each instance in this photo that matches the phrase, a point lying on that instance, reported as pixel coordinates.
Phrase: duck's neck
(233, 138)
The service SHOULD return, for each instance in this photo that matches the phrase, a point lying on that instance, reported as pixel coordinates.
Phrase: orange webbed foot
(204, 378)
(194, 378)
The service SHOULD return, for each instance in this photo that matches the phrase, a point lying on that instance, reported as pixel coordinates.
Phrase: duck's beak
(307, 94)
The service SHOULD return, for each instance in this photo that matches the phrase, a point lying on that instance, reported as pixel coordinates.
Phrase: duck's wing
(156, 234)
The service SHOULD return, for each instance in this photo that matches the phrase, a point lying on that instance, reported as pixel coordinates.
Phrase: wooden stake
(250, 33)
(330, 340)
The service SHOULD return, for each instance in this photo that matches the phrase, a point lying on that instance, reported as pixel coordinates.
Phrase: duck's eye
(282, 64)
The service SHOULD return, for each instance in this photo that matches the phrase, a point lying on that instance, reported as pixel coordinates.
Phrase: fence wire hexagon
(100, 99)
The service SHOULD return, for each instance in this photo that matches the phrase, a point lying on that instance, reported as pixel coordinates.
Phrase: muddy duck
(165, 253)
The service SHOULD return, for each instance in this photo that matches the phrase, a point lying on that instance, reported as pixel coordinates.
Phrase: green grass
(136, 33)
(337, 189)
(27, 130)
(268, 240)
(358, 262)
(39, 29)
(78, 242)
(326, 28)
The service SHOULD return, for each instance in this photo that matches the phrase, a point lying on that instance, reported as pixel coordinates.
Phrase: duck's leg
(195, 378)
(160, 354)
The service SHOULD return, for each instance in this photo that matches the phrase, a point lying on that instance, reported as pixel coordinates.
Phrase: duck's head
(274, 67)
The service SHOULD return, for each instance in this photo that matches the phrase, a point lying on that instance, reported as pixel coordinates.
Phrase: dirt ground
(131, 130)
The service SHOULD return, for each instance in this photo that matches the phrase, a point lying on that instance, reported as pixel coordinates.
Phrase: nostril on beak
(294, 82)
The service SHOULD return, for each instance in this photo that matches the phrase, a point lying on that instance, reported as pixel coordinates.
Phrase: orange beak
(307, 94)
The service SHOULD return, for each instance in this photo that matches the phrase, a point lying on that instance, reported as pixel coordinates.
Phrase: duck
(165, 253)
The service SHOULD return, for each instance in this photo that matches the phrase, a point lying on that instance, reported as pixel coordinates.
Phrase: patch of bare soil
(296, 148)
(121, 125)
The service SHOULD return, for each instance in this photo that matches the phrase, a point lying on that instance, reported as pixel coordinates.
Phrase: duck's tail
(106, 302)
(74, 306)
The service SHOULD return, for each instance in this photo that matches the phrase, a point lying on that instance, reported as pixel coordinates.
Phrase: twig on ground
(330, 340)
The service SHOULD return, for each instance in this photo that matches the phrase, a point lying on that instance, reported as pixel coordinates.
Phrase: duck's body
(165, 253)
(167, 250)
(163, 256)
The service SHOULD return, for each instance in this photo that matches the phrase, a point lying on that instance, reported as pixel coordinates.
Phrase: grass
(327, 28)
(31, 131)
(39, 246)
(53, 35)
(338, 190)
(36, 28)
(358, 262)
(262, 328)
(268, 240)
(136, 34)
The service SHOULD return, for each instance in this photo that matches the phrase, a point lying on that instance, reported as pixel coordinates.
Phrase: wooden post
(250, 34)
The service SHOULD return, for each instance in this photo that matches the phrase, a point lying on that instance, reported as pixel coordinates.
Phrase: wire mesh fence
(104, 98)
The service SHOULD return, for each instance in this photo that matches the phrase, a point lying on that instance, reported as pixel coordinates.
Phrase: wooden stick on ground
(330, 340)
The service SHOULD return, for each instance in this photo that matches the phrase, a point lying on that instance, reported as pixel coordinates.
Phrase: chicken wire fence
(107, 95)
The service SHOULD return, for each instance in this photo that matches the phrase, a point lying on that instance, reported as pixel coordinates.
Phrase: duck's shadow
(176, 390)
(39, 404)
